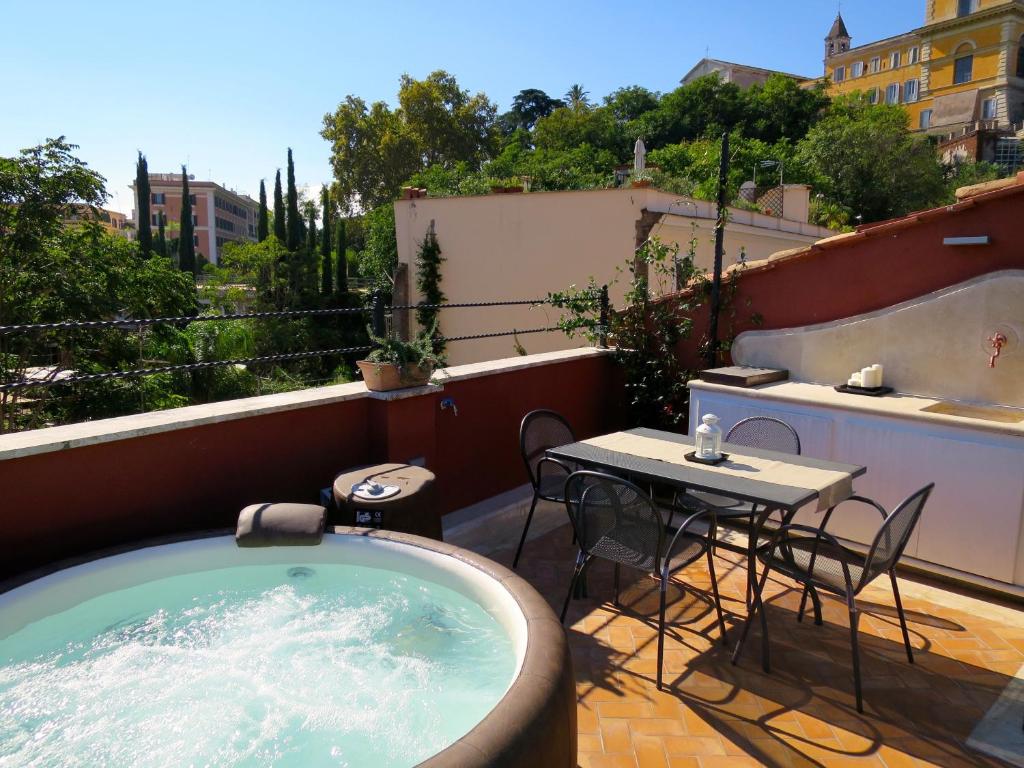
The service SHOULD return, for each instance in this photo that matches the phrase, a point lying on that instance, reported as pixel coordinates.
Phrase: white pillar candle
(877, 368)
(869, 378)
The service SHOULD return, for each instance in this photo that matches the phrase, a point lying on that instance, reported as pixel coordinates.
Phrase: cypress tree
(186, 242)
(295, 225)
(341, 264)
(262, 222)
(326, 278)
(309, 265)
(279, 228)
(161, 242)
(143, 222)
(428, 280)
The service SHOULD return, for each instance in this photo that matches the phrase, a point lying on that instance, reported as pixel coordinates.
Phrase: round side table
(412, 510)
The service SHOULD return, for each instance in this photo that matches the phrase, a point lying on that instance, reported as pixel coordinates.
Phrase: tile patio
(967, 649)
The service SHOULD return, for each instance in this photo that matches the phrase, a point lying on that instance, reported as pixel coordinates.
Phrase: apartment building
(961, 72)
(219, 215)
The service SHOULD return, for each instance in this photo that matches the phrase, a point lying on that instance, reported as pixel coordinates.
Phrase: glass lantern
(709, 438)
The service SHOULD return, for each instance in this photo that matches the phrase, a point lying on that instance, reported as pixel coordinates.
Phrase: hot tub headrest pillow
(280, 525)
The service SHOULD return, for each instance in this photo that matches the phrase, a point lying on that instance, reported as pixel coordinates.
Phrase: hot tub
(371, 649)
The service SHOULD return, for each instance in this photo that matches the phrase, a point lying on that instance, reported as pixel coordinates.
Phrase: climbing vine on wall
(428, 281)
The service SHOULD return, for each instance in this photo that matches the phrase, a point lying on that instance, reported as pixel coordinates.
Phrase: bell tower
(838, 40)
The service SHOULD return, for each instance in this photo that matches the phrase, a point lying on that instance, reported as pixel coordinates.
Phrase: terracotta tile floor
(802, 714)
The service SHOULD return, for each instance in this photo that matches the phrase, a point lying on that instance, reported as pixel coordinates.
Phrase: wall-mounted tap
(997, 341)
(449, 402)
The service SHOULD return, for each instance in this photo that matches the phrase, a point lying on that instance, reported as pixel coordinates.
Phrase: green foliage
(144, 231)
(645, 333)
(863, 156)
(262, 220)
(966, 173)
(341, 256)
(529, 106)
(428, 281)
(186, 237)
(161, 240)
(577, 99)
(380, 257)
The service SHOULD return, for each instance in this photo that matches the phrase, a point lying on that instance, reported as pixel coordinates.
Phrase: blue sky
(227, 86)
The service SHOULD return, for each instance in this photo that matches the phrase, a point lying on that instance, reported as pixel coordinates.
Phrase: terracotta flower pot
(640, 184)
(382, 377)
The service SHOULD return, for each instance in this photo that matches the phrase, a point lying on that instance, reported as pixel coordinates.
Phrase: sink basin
(984, 412)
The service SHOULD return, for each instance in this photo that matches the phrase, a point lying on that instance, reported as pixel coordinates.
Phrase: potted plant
(640, 179)
(396, 363)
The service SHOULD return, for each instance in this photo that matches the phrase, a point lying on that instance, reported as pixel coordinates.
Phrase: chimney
(796, 202)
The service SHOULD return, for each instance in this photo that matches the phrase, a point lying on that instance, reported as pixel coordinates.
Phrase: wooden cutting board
(743, 376)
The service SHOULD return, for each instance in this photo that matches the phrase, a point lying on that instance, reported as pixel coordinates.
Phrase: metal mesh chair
(615, 520)
(540, 430)
(819, 561)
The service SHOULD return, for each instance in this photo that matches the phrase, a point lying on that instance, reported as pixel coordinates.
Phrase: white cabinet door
(972, 520)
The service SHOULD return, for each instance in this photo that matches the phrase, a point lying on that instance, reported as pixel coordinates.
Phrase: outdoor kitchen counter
(972, 528)
(895, 404)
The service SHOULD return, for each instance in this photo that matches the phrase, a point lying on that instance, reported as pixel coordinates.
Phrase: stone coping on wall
(20, 444)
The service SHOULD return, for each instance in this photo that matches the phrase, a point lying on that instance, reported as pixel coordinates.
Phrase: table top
(697, 477)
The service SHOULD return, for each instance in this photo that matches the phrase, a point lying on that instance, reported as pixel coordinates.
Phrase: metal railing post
(603, 336)
(377, 318)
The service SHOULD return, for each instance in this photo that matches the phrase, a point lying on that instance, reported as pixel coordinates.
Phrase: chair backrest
(615, 520)
(765, 432)
(892, 537)
(540, 430)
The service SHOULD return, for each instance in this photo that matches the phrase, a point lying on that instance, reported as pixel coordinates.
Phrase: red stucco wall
(65, 503)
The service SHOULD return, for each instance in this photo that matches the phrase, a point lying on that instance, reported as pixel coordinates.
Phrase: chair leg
(616, 584)
(854, 621)
(803, 605)
(661, 633)
(816, 603)
(714, 592)
(522, 539)
(903, 618)
(576, 571)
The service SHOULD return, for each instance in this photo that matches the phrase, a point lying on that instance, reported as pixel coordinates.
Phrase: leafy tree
(632, 102)
(864, 157)
(965, 173)
(567, 128)
(577, 99)
(309, 280)
(780, 108)
(529, 106)
(145, 232)
(705, 107)
(380, 256)
(326, 276)
(341, 257)
(186, 237)
(294, 225)
(280, 218)
(262, 221)
(375, 148)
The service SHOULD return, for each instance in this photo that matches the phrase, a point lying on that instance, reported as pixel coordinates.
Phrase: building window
(914, 55)
(963, 69)
(156, 220)
(926, 119)
(875, 64)
(195, 240)
(892, 93)
(839, 74)
(872, 96)
(192, 199)
(195, 220)
(857, 69)
(988, 109)
(894, 59)
(158, 198)
(910, 90)
(966, 7)
(1020, 58)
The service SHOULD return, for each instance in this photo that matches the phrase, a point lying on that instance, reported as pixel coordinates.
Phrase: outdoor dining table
(769, 480)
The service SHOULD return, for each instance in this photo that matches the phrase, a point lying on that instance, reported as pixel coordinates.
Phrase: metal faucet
(998, 341)
(449, 402)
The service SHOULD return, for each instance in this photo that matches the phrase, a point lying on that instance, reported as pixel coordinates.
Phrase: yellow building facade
(962, 70)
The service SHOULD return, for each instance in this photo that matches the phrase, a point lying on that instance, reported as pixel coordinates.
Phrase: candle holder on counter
(866, 381)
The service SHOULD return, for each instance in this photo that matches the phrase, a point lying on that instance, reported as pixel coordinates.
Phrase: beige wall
(934, 346)
(523, 246)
